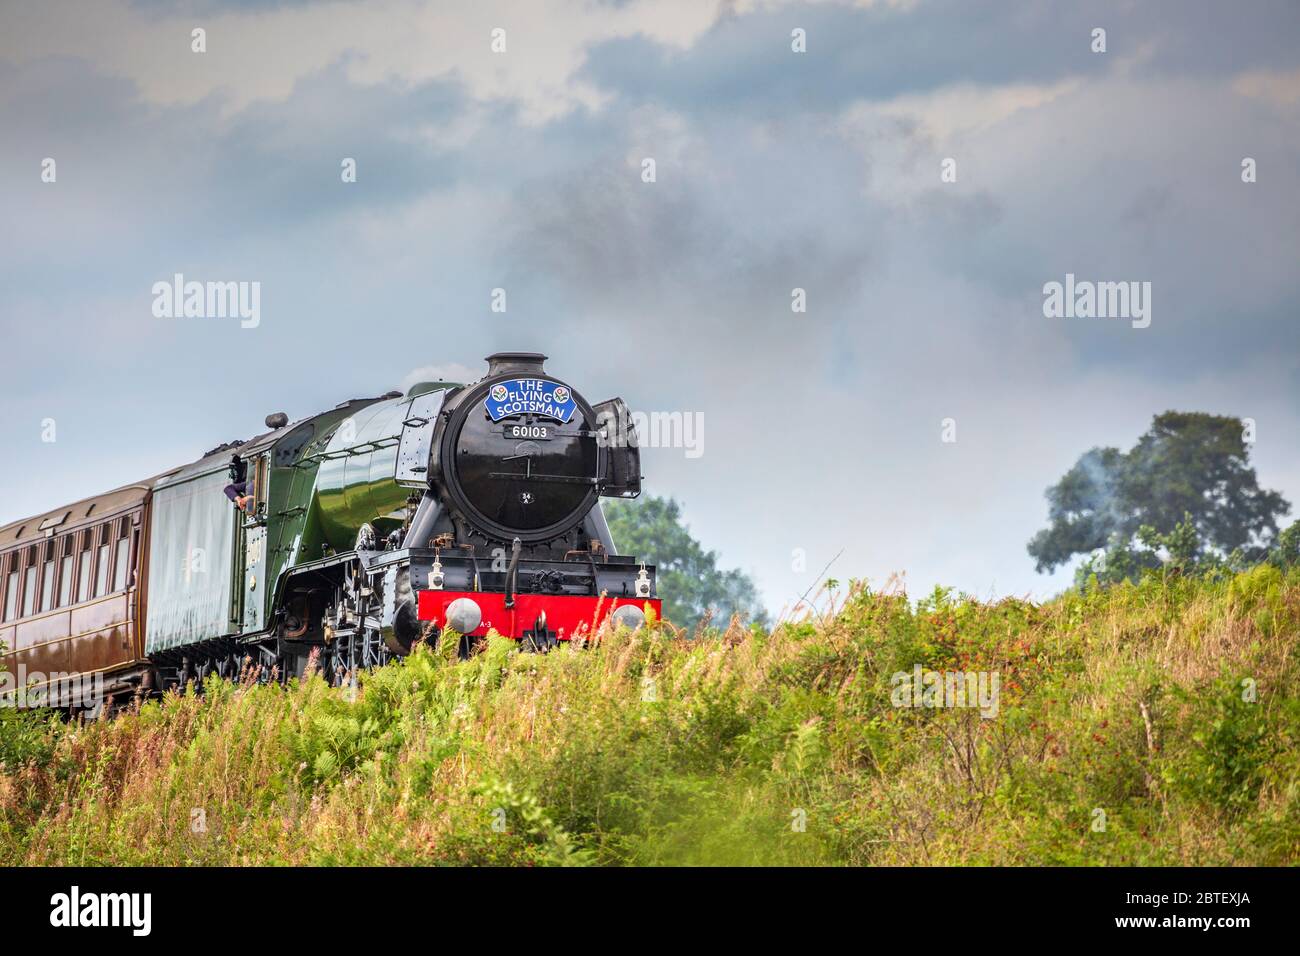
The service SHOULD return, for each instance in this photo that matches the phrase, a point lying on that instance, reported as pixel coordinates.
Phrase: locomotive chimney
(515, 363)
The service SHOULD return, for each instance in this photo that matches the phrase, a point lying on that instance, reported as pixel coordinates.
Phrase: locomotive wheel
(230, 666)
(538, 643)
(341, 662)
(271, 669)
(374, 650)
(353, 653)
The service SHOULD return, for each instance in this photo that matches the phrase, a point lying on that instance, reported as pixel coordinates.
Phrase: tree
(1287, 552)
(1189, 467)
(688, 577)
(1180, 552)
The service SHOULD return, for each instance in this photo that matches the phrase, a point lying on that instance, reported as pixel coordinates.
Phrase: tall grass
(1147, 724)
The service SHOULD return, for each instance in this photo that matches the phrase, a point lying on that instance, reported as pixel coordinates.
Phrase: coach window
(47, 577)
(11, 585)
(65, 569)
(260, 485)
(101, 562)
(83, 568)
(122, 560)
(135, 550)
(29, 583)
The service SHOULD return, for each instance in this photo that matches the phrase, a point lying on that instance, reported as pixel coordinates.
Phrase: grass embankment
(1150, 724)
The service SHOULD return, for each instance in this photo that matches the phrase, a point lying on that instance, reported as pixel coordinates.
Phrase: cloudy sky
(774, 170)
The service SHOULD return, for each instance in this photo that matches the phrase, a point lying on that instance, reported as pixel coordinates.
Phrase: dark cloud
(604, 238)
(746, 64)
(880, 51)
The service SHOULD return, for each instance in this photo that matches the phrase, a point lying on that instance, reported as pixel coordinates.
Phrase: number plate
(530, 432)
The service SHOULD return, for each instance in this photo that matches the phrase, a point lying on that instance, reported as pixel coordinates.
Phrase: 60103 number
(542, 432)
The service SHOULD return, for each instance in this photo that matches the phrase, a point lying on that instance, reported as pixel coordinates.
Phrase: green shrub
(25, 737)
(746, 747)
(1229, 748)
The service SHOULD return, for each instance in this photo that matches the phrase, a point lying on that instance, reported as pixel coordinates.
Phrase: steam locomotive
(370, 526)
